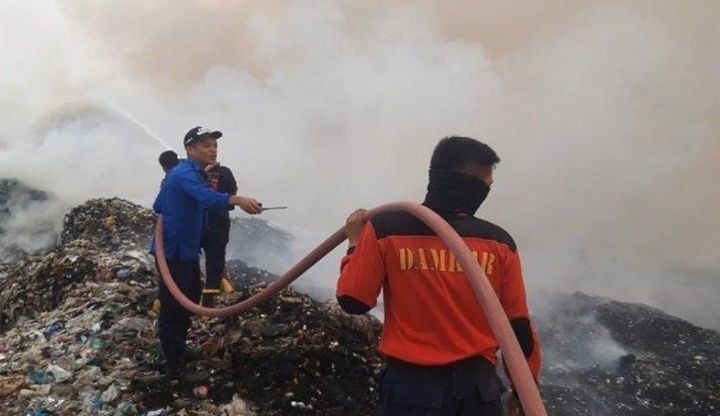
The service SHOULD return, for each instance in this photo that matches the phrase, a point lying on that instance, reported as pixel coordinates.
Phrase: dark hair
(168, 160)
(457, 153)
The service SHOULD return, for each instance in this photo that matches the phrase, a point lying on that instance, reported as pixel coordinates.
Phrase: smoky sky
(605, 113)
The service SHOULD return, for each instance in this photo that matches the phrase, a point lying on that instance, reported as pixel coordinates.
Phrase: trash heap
(77, 336)
(103, 242)
(604, 357)
(297, 357)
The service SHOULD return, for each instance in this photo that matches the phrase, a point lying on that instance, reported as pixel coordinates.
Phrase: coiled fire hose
(496, 317)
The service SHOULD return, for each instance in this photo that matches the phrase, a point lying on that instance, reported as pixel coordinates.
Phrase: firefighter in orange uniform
(440, 351)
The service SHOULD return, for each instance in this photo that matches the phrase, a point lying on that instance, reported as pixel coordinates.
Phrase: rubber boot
(226, 284)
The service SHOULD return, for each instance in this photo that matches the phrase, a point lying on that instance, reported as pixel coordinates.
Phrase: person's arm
(249, 205)
(199, 190)
(157, 205)
(514, 301)
(193, 185)
(227, 177)
(362, 270)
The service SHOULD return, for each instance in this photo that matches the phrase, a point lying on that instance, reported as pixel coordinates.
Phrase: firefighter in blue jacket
(183, 202)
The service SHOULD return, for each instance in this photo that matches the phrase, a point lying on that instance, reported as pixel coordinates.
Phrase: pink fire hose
(496, 317)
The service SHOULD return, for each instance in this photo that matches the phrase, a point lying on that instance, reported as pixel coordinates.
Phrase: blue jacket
(183, 202)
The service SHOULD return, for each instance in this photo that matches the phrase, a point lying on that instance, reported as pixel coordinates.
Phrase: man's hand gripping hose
(512, 354)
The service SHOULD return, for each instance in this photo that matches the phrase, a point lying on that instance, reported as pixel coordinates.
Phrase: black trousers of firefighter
(174, 320)
(469, 387)
(214, 262)
(214, 243)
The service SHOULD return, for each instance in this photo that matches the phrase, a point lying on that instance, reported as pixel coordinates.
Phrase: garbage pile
(604, 357)
(293, 356)
(77, 336)
(104, 242)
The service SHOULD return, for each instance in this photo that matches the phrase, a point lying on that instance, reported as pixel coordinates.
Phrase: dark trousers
(469, 387)
(174, 320)
(214, 263)
(214, 242)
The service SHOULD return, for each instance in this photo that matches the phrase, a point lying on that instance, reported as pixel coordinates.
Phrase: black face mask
(455, 192)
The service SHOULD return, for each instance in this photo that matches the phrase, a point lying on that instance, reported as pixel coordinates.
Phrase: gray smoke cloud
(605, 114)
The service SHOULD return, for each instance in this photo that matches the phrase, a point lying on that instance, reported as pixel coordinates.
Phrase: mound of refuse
(604, 357)
(78, 337)
(103, 242)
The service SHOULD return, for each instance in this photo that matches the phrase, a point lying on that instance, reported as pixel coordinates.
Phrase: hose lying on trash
(496, 317)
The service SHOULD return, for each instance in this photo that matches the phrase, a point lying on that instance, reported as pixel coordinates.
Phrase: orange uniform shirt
(432, 316)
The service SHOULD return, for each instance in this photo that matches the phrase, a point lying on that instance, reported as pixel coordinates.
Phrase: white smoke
(605, 117)
(28, 221)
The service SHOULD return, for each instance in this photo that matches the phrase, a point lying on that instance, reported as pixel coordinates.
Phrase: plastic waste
(53, 329)
(110, 394)
(40, 377)
(59, 374)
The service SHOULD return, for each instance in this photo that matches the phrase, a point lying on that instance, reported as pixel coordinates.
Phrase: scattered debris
(604, 357)
(78, 337)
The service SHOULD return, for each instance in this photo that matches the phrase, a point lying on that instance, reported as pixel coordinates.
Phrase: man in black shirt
(217, 233)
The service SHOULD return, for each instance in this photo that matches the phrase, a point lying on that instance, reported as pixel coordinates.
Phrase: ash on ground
(77, 337)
